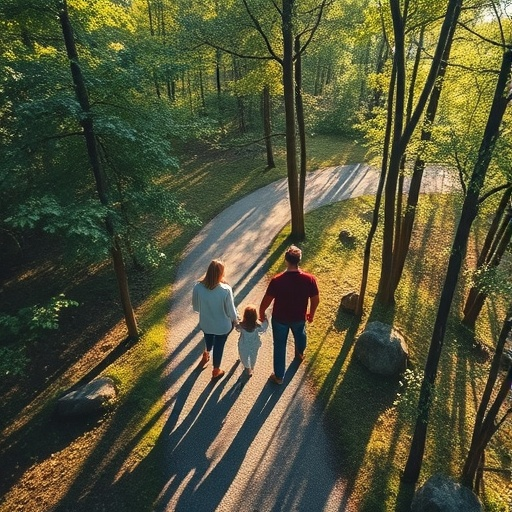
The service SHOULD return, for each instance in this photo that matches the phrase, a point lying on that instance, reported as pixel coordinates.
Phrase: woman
(212, 298)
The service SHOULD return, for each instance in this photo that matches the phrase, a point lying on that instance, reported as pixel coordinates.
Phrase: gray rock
(347, 238)
(382, 349)
(442, 494)
(349, 302)
(92, 398)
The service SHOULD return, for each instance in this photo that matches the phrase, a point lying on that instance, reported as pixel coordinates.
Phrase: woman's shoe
(217, 373)
(205, 358)
(275, 380)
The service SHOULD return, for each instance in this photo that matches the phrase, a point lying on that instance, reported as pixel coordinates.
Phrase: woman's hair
(213, 275)
(250, 318)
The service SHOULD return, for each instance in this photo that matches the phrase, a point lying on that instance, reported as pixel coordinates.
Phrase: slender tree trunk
(492, 235)
(300, 122)
(401, 178)
(318, 74)
(478, 301)
(378, 197)
(218, 59)
(201, 89)
(297, 215)
(383, 54)
(401, 138)
(157, 85)
(468, 214)
(242, 126)
(407, 223)
(484, 434)
(150, 15)
(86, 122)
(267, 126)
(395, 155)
(476, 449)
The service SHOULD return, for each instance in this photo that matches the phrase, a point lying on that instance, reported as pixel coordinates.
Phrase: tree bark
(301, 125)
(468, 214)
(378, 198)
(297, 214)
(471, 463)
(496, 226)
(267, 126)
(396, 152)
(407, 223)
(86, 122)
(474, 309)
(483, 435)
(401, 138)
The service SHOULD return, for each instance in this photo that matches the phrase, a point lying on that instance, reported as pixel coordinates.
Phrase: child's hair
(213, 275)
(250, 318)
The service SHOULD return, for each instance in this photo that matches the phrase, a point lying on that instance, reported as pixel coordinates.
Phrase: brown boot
(217, 373)
(205, 358)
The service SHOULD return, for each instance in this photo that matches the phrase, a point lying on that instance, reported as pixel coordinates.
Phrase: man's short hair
(293, 255)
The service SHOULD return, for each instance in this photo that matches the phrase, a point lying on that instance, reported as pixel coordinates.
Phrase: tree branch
(262, 33)
(494, 191)
(315, 26)
(490, 41)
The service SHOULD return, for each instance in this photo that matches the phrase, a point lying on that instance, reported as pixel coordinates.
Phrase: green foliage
(493, 280)
(31, 322)
(81, 225)
(407, 397)
(13, 360)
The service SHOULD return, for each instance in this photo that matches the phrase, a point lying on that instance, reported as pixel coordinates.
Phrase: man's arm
(313, 304)
(265, 303)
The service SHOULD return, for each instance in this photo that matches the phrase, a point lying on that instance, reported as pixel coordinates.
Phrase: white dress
(249, 343)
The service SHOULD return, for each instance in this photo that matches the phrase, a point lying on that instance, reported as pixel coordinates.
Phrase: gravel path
(258, 447)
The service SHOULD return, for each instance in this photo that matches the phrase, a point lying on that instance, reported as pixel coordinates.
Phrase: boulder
(382, 349)
(92, 398)
(349, 302)
(347, 238)
(442, 494)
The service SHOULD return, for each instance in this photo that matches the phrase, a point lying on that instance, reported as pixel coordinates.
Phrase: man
(291, 291)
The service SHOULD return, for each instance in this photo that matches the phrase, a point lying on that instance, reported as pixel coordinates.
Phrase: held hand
(309, 317)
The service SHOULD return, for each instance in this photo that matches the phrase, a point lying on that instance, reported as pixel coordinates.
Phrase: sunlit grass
(372, 434)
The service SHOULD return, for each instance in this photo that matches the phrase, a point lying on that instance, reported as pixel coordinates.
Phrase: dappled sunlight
(385, 453)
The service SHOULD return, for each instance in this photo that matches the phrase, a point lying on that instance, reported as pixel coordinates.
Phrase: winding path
(260, 447)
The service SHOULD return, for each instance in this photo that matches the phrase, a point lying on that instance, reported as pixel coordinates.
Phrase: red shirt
(291, 291)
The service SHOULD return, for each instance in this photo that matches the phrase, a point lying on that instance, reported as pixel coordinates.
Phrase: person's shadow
(190, 472)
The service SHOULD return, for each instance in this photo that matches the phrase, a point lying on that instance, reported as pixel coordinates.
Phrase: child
(249, 341)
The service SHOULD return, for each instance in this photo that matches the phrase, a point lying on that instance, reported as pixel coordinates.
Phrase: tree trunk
(378, 197)
(218, 58)
(267, 126)
(300, 122)
(86, 122)
(474, 309)
(150, 15)
(396, 153)
(297, 214)
(468, 214)
(489, 242)
(484, 433)
(401, 139)
(471, 463)
(407, 223)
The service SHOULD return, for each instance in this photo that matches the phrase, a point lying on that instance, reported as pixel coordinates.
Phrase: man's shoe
(299, 356)
(275, 379)
(205, 358)
(217, 373)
